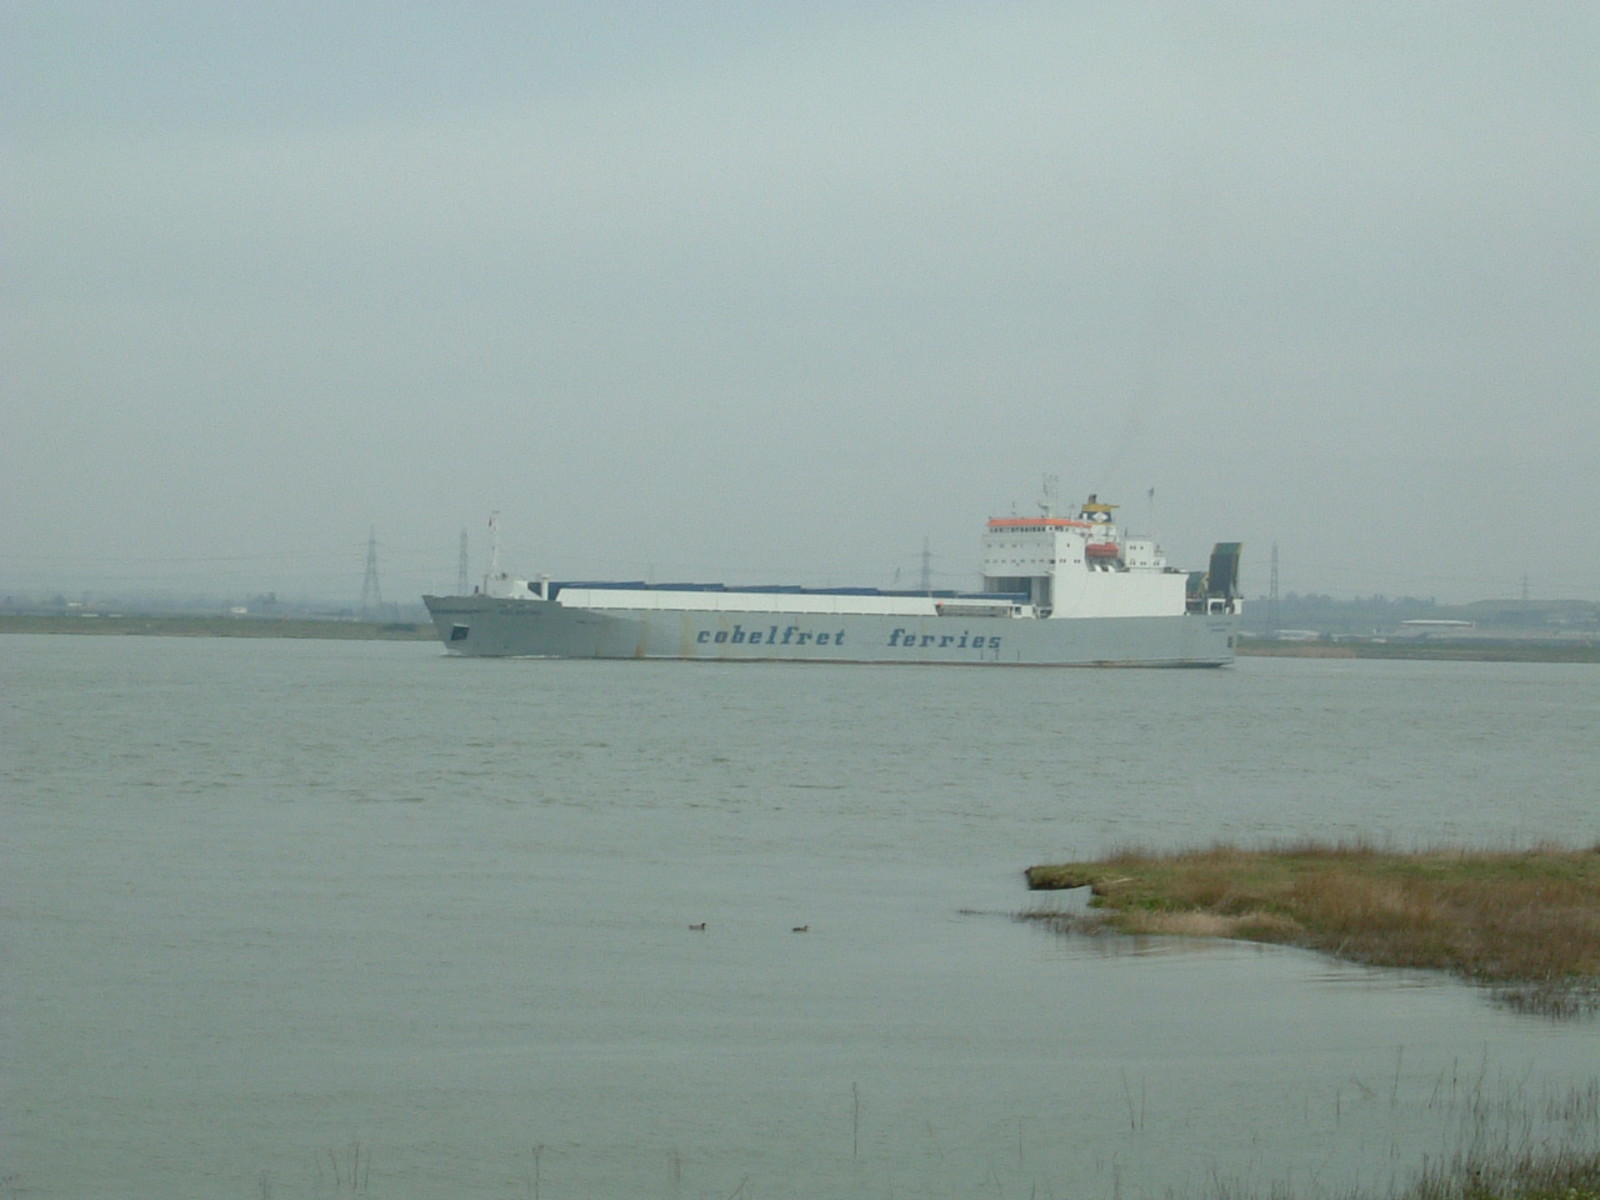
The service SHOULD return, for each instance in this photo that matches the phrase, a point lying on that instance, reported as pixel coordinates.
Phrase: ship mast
(494, 545)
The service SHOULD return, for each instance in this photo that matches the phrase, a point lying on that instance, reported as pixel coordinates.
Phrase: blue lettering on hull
(792, 636)
(905, 640)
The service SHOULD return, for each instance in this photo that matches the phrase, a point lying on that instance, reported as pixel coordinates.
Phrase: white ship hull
(487, 626)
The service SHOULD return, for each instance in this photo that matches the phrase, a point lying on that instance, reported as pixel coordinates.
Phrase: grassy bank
(1527, 922)
(219, 626)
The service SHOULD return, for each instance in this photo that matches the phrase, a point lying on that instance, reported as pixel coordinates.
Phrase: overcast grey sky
(771, 292)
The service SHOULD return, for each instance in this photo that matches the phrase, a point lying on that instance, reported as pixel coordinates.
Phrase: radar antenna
(1051, 496)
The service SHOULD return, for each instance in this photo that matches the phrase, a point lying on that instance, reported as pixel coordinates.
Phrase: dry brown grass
(1505, 917)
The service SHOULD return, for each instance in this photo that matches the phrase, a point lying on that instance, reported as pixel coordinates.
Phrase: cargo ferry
(1057, 591)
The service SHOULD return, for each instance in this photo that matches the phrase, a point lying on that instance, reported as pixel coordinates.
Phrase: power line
(371, 593)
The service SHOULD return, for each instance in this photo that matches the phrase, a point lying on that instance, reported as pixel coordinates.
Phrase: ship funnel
(1223, 576)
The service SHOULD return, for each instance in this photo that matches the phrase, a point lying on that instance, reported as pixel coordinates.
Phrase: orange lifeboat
(1102, 550)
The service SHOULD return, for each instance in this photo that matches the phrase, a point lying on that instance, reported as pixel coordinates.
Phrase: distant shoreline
(1476, 649)
(220, 626)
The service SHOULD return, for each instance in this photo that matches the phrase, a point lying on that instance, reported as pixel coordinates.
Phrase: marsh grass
(1509, 1144)
(1526, 921)
(1528, 1174)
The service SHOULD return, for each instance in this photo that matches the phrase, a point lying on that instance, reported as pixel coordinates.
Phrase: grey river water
(294, 919)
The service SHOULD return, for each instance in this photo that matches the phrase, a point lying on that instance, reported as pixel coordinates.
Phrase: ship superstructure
(1081, 567)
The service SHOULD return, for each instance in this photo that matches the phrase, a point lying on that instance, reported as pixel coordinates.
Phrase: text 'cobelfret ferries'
(793, 635)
